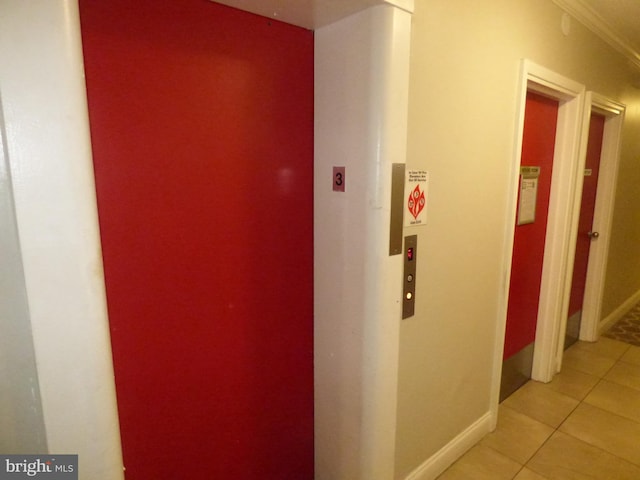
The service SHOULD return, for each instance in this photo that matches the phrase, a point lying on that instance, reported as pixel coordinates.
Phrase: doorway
(586, 232)
(549, 277)
(612, 114)
(536, 171)
(202, 131)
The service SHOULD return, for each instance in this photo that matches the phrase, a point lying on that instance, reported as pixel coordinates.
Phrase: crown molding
(598, 25)
(311, 14)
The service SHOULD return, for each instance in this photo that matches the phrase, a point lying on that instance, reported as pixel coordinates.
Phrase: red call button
(410, 254)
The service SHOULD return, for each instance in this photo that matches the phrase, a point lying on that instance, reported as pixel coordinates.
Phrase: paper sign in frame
(528, 196)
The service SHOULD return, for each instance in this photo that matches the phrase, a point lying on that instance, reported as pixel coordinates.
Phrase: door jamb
(590, 327)
(570, 95)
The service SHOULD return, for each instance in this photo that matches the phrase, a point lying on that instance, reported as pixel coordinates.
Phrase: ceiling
(310, 14)
(616, 21)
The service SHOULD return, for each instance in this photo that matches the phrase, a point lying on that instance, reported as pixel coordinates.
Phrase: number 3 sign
(339, 179)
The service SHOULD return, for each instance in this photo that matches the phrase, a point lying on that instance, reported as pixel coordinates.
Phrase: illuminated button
(409, 295)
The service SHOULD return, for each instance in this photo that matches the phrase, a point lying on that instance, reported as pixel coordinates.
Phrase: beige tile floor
(585, 424)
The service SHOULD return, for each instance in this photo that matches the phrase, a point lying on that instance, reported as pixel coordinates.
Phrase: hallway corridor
(584, 424)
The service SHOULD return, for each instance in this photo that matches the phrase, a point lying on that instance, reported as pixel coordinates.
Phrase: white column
(49, 152)
(361, 96)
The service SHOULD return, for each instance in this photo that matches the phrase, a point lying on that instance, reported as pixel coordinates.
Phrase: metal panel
(397, 203)
(516, 371)
(409, 281)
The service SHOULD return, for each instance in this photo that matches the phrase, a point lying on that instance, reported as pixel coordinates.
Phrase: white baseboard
(448, 454)
(618, 313)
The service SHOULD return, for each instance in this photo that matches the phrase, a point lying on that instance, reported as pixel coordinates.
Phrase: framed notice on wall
(416, 190)
(528, 195)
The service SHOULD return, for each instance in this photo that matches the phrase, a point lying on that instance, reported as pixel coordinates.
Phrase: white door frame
(591, 327)
(559, 240)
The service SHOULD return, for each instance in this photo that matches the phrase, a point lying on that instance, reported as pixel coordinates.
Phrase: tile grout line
(580, 402)
(557, 429)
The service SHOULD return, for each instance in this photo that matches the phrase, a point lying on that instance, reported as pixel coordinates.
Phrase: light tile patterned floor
(583, 425)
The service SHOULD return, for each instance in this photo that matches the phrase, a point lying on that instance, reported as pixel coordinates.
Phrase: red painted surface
(539, 136)
(202, 129)
(590, 186)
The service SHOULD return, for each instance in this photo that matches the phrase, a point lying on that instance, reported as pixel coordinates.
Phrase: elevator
(201, 120)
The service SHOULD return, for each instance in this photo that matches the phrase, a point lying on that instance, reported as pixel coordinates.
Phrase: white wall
(21, 422)
(361, 77)
(462, 114)
(49, 154)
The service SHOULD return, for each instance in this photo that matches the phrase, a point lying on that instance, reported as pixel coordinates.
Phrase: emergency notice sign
(416, 187)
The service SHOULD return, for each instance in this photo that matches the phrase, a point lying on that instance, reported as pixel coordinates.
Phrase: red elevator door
(202, 130)
(585, 224)
(539, 135)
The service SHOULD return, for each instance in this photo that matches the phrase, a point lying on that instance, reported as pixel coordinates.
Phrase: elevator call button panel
(409, 282)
